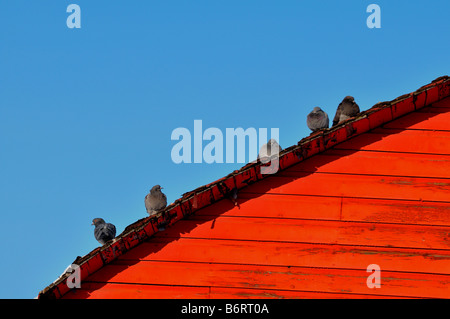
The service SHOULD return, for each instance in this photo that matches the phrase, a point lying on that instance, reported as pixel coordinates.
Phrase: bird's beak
(162, 187)
(92, 223)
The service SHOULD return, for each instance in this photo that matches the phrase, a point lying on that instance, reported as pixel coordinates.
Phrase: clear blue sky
(86, 114)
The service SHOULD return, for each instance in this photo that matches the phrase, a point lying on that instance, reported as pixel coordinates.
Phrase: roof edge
(190, 202)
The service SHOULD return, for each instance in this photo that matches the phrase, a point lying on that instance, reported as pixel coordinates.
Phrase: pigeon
(155, 201)
(269, 149)
(103, 231)
(346, 109)
(317, 119)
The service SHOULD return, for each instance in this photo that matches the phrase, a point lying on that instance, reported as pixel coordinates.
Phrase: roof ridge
(142, 229)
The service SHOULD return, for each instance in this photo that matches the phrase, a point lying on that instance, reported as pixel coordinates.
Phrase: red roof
(373, 190)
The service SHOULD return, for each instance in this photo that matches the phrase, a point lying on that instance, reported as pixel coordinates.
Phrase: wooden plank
(393, 211)
(290, 254)
(313, 231)
(271, 277)
(397, 140)
(91, 290)
(270, 205)
(242, 293)
(332, 208)
(96, 290)
(377, 163)
(349, 185)
(422, 121)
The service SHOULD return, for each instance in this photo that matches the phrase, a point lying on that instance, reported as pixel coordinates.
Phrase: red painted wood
(290, 254)
(316, 231)
(282, 206)
(392, 211)
(422, 121)
(242, 293)
(377, 163)
(432, 109)
(91, 290)
(379, 117)
(332, 208)
(442, 103)
(397, 140)
(273, 277)
(402, 107)
(379, 187)
(134, 291)
(420, 100)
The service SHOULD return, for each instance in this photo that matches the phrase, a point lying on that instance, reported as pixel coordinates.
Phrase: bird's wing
(98, 233)
(308, 121)
(163, 200)
(110, 230)
(146, 202)
(324, 121)
(337, 115)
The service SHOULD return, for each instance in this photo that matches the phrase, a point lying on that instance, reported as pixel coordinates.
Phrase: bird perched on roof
(346, 109)
(269, 149)
(103, 231)
(155, 201)
(317, 119)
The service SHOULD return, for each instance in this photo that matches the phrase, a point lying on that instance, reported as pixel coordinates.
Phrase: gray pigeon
(269, 149)
(103, 232)
(155, 201)
(346, 109)
(317, 119)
